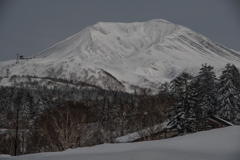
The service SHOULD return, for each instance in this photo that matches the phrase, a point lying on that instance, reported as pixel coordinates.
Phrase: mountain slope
(120, 56)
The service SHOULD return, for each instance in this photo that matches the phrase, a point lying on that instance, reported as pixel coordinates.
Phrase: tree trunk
(16, 134)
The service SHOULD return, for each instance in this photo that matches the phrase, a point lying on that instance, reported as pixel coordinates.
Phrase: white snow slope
(122, 55)
(217, 144)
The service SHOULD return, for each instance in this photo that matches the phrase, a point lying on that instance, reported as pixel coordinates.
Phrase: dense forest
(42, 118)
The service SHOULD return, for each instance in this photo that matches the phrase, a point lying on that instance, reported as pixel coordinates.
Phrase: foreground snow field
(218, 144)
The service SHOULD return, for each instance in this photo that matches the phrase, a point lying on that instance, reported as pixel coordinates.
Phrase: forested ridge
(58, 118)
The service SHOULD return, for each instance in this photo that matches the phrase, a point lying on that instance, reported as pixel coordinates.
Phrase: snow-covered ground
(217, 144)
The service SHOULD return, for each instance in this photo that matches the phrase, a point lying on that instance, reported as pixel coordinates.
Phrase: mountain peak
(160, 21)
(142, 54)
(148, 21)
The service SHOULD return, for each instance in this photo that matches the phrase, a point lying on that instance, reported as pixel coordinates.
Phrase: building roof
(131, 137)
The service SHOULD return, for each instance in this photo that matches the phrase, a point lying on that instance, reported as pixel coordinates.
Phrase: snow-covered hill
(218, 144)
(120, 56)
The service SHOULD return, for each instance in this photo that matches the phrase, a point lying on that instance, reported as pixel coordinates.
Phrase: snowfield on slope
(120, 56)
(217, 144)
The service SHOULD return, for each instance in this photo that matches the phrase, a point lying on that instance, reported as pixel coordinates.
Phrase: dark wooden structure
(168, 132)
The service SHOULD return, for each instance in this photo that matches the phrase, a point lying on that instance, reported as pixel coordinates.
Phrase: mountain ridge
(122, 56)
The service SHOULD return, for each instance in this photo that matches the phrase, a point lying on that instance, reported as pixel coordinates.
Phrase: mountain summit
(122, 56)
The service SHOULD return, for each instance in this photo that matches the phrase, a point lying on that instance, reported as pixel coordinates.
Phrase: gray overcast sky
(29, 26)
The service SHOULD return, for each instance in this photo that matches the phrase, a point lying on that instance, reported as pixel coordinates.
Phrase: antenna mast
(17, 60)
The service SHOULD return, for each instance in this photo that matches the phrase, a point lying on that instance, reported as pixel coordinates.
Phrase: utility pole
(17, 60)
(16, 134)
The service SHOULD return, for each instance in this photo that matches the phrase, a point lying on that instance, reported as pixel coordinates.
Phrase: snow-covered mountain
(122, 56)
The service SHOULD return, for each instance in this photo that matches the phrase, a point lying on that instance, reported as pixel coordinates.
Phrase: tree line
(55, 119)
(199, 97)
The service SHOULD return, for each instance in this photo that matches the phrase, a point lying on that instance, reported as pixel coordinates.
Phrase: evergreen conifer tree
(229, 94)
(206, 82)
(181, 113)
